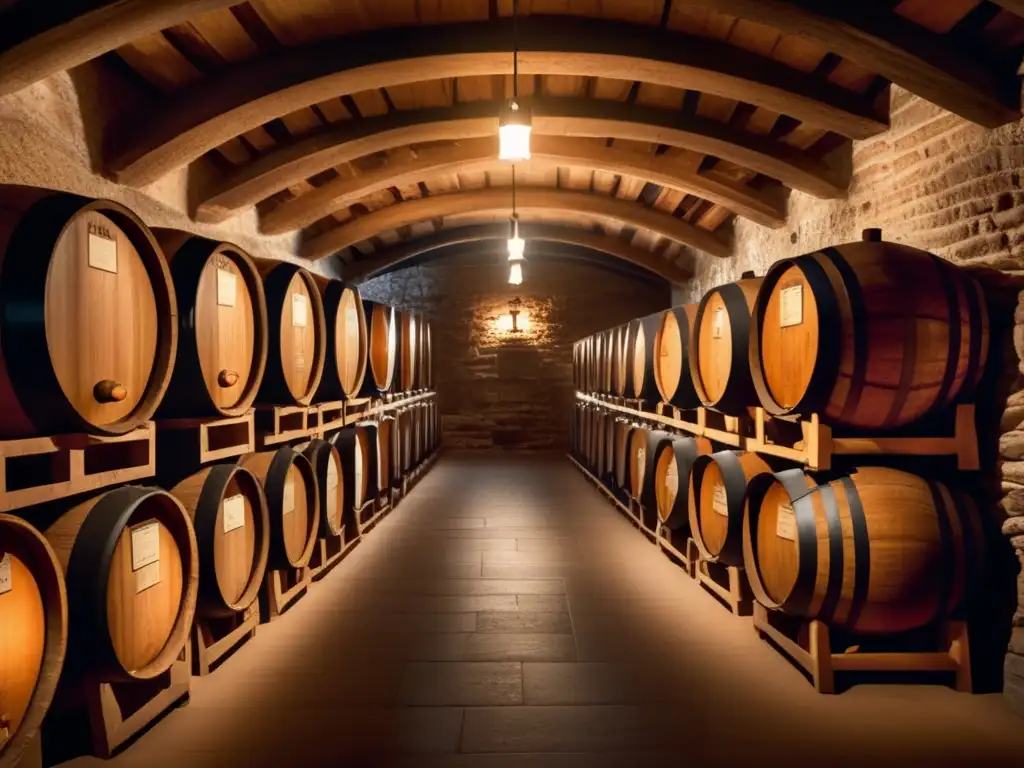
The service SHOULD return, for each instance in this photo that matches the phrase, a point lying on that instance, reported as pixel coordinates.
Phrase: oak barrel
(869, 335)
(232, 524)
(362, 446)
(425, 367)
(636, 458)
(644, 349)
(88, 316)
(717, 490)
(222, 328)
(875, 551)
(383, 347)
(409, 349)
(345, 367)
(619, 336)
(386, 468)
(672, 468)
(330, 485)
(131, 566)
(719, 365)
(297, 336)
(672, 346)
(33, 633)
(293, 504)
(658, 441)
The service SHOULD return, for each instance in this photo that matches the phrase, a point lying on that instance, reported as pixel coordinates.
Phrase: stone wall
(497, 389)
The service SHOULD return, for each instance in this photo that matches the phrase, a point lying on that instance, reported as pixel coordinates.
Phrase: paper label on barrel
(332, 474)
(6, 584)
(298, 310)
(718, 326)
(147, 577)
(791, 306)
(672, 479)
(288, 497)
(227, 283)
(102, 253)
(785, 523)
(357, 461)
(719, 502)
(145, 544)
(234, 513)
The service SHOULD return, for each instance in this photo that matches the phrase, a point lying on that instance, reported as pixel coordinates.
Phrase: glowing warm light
(520, 323)
(514, 129)
(516, 248)
(515, 274)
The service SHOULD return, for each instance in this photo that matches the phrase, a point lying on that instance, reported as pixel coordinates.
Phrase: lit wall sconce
(516, 321)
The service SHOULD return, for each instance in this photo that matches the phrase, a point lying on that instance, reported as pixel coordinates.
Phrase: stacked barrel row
(107, 324)
(868, 336)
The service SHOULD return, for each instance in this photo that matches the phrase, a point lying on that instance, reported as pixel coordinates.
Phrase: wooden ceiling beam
(549, 233)
(481, 155)
(35, 44)
(294, 163)
(500, 199)
(203, 116)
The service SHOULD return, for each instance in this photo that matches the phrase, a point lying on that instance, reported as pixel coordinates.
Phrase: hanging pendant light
(515, 273)
(514, 122)
(516, 244)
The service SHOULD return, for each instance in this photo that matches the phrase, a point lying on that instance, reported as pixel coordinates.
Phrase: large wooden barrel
(636, 454)
(619, 336)
(347, 343)
(357, 446)
(644, 348)
(232, 524)
(719, 365)
(409, 349)
(383, 347)
(598, 442)
(222, 328)
(34, 634)
(876, 551)
(132, 571)
(404, 438)
(298, 337)
(672, 357)
(869, 335)
(658, 441)
(386, 469)
(672, 467)
(425, 366)
(330, 485)
(88, 316)
(717, 490)
(293, 503)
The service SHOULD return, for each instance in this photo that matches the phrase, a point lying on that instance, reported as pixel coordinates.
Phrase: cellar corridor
(505, 607)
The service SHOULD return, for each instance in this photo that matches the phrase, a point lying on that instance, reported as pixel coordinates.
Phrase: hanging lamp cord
(515, 50)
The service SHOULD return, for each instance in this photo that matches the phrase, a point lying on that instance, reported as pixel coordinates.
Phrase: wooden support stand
(215, 638)
(679, 548)
(281, 588)
(809, 645)
(370, 514)
(41, 469)
(331, 418)
(328, 552)
(277, 424)
(193, 442)
(726, 582)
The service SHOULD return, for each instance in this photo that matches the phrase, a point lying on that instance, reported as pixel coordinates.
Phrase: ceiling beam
(1013, 6)
(35, 43)
(549, 233)
(476, 155)
(293, 163)
(495, 200)
(200, 117)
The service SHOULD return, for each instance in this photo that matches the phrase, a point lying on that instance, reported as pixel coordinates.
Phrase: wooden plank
(236, 100)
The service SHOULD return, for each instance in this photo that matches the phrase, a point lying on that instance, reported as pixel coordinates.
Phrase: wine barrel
(357, 446)
(34, 638)
(719, 366)
(645, 385)
(425, 366)
(222, 328)
(658, 440)
(717, 490)
(672, 357)
(347, 343)
(869, 335)
(597, 440)
(386, 466)
(326, 462)
(293, 504)
(383, 347)
(620, 459)
(232, 525)
(88, 316)
(672, 468)
(619, 362)
(132, 571)
(405, 431)
(608, 451)
(875, 551)
(409, 342)
(297, 345)
(636, 454)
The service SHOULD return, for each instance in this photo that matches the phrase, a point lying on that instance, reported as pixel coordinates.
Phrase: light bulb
(516, 248)
(514, 128)
(515, 274)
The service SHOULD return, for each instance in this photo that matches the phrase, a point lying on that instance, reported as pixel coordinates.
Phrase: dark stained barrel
(383, 348)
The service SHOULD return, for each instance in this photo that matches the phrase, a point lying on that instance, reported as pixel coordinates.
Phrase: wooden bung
(347, 343)
(33, 633)
(293, 504)
(383, 347)
(222, 329)
(672, 469)
(868, 335)
(131, 566)
(88, 316)
(875, 551)
(232, 525)
(330, 485)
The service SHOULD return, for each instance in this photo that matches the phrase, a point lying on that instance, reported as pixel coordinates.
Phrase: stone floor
(505, 615)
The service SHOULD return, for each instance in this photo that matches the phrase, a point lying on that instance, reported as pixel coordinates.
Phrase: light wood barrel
(297, 339)
(658, 441)
(409, 349)
(88, 316)
(672, 467)
(131, 566)
(383, 353)
(717, 490)
(644, 383)
(293, 504)
(222, 328)
(719, 365)
(869, 335)
(620, 366)
(232, 524)
(33, 632)
(354, 449)
(672, 357)
(637, 459)
(876, 551)
(347, 343)
(330, 485)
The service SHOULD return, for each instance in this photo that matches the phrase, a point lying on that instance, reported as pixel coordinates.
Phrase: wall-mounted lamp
(516, 321)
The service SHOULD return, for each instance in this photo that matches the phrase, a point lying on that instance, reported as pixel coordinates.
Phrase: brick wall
(499, 390)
